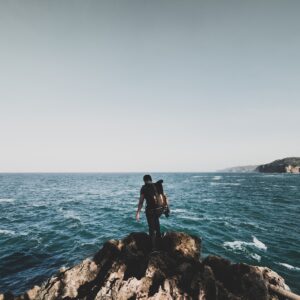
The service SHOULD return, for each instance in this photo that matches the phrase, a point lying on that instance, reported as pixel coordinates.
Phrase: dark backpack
(158, 198)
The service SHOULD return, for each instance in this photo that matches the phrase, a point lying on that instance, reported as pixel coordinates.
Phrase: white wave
(290, 267)
(241, 245)
(236, 245)
(88, 244)
(189, 217)
(7, 232)
(256, 256)
(217, 178)
(70, 214)
(38, 205)
(208, 200)
(225, 183)
(179, 210)
(227, 224)
(258, 244)
(8, 200)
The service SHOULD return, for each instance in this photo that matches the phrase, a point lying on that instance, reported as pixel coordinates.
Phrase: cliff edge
(286, 165)
(125, 269)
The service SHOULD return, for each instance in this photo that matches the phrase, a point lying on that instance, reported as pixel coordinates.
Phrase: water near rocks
(52, 220)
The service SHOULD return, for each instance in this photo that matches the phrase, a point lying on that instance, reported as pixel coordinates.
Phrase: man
(149, 191)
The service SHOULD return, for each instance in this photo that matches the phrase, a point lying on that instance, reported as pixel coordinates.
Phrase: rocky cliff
(126, 269)
(286, 165)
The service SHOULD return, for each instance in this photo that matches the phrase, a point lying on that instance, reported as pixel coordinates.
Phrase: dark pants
(154, 226)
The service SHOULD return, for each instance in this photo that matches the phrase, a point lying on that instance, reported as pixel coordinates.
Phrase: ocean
(52, 220)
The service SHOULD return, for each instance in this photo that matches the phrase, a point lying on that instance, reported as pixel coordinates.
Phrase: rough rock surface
(286, 165)
(126, 269)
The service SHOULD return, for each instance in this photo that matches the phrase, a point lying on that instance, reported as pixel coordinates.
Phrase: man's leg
(151, 225)
(157, 227)
(157, 232)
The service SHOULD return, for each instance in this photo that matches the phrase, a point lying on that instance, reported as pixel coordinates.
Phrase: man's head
(147, 178)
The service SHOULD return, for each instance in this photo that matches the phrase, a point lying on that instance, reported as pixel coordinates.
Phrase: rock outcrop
(286, 165)
(126, 269)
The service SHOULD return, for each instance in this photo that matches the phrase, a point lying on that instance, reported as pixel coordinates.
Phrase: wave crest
(7, 200)
(7, 232)
(290, 267)
(241, 245)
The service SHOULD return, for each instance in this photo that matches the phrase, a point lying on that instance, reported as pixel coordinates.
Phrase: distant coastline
(240, 169)
(285, 165)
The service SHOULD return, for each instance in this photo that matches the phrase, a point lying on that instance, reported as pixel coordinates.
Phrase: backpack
(163, 202)
(159, 199)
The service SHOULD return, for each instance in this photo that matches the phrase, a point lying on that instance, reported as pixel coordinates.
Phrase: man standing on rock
(156, 205)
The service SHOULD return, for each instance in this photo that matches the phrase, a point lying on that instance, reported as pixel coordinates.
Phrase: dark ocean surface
(52, 220)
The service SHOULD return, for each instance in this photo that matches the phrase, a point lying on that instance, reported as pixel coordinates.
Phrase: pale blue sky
(148, 85)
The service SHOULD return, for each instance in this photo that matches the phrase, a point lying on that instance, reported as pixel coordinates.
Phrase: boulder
(127, 269)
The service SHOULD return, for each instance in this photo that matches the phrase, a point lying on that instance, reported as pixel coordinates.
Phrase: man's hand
(140, 205)
(137, 216)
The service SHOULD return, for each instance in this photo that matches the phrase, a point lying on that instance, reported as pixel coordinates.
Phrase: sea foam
(225, 183)
(240, 245)
(7, 200)
(290, 267)
(258, 244)
(7, 232)
(235, 245)
(69, 214)
(256, 257)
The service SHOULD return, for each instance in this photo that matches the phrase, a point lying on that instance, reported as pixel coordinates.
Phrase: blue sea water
(52, 220)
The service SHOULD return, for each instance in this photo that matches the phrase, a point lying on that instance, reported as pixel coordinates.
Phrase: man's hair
(147, 178)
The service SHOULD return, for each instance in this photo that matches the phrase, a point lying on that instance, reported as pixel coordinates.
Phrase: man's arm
(140, 205)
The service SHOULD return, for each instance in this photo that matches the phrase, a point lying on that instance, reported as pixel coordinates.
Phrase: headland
(285, 165)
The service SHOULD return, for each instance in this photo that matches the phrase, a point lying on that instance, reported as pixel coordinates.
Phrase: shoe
(154, 251)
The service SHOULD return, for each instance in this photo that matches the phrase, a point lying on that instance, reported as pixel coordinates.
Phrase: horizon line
(100, 172)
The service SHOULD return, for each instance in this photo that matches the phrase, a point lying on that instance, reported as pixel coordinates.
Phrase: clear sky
(148, 85)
